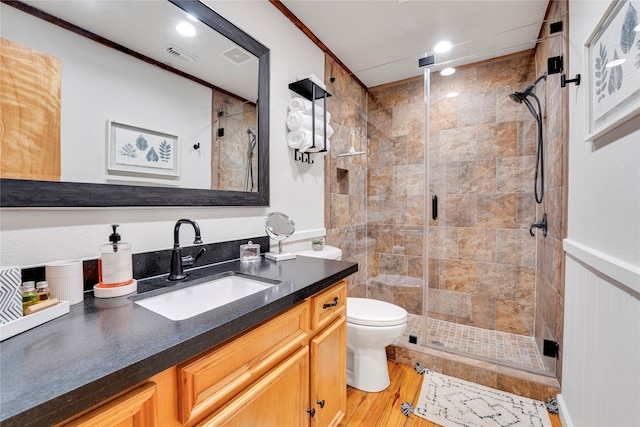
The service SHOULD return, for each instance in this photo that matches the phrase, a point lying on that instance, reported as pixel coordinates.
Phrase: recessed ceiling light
(615, 62)
(442, 47)
(451, 94)
(447, 71)
(186, 29)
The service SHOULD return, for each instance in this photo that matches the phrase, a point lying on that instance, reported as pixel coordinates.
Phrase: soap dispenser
(115, 268)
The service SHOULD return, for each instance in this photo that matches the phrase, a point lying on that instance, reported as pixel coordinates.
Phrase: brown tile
(443, 243)
(443, 302)
(515, 174)
(515, 247)
(482, 312)
(469, 373)
(475, 108)
(497, 140)
(458, 144)
(476, 177)
(459, 210)
(497, 210)
(514, 317)
(458, 275)
(526, 388)
(477, 244)
(496, 280)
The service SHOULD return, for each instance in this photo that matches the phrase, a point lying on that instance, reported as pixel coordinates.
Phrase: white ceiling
(380, 41)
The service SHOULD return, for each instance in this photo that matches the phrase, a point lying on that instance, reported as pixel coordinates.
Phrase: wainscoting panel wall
(601, 369)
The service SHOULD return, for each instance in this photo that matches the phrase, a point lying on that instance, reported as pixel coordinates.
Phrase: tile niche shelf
(313, 92)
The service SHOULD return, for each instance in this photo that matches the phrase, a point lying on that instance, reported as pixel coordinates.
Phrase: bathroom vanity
(275, 357)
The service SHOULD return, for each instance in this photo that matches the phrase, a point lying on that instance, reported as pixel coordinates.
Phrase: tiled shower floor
(500, 346)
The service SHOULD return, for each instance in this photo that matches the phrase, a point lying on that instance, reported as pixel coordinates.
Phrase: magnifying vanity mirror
(125, 111)
(279, 227)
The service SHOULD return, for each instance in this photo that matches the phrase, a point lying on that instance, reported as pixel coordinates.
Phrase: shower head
(521, 96)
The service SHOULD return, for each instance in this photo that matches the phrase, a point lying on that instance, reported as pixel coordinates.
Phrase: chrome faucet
(178, 262)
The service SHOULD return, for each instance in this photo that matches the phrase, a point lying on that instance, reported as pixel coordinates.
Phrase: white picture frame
(137, 152)
(613, 92)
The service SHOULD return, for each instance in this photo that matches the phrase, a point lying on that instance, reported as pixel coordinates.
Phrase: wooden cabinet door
(137, 408)
(280, 398)
(329, 374)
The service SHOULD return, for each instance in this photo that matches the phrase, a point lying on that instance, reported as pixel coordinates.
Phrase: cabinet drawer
(328, 305)
(135, 408)
(210, 379)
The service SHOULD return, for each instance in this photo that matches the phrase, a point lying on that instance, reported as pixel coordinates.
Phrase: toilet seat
(371, 312)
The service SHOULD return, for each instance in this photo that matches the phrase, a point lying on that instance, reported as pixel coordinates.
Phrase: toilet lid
(372, 312)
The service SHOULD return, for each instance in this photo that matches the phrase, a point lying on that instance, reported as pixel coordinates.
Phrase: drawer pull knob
(333, 304)
(321, 403)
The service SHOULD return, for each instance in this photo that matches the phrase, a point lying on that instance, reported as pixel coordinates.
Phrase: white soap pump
(115, 268)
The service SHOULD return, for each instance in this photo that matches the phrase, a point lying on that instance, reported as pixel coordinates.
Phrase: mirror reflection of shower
(523, 98)
(248, 181)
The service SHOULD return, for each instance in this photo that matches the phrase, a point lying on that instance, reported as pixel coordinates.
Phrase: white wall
(601, 364)
(35, 236)
(103, 84)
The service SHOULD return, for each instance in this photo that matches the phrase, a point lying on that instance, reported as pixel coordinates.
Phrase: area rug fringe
(452, 402)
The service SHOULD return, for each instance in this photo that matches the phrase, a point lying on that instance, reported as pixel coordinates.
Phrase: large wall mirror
(131, 103)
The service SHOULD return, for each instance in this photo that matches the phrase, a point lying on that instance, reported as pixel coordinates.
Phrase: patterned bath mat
(452, 402)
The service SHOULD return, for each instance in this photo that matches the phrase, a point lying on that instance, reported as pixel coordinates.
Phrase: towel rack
(311, 91)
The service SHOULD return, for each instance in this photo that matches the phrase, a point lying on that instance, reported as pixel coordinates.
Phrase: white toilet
(372, 325)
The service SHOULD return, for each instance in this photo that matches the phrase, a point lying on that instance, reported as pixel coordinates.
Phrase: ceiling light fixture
(442, 47)
(447, 71)
(451, 94)
(186, 29)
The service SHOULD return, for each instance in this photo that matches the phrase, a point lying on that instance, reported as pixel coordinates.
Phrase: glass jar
(42, 291)
(29, 296)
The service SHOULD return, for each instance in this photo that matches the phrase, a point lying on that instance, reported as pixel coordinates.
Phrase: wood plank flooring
(383, 409)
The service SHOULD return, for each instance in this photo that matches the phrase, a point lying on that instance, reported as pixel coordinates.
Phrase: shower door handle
(434, 207)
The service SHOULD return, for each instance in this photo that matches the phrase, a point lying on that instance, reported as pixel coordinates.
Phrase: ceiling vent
(178, 52)
(237, 55)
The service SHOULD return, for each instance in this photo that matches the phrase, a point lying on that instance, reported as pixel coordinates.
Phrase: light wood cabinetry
(287, 371)
(135, 408)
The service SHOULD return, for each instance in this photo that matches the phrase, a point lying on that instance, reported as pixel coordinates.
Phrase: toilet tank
(328, 252)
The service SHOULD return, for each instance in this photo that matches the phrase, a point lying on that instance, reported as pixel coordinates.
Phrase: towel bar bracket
(303, 157)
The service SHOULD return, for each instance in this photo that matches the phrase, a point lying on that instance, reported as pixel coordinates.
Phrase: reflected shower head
(521, 96)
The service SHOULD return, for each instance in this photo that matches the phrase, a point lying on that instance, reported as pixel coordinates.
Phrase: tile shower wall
(482, 156)
(396, 194)
(550, 256)
(346, 177)
(229, 152)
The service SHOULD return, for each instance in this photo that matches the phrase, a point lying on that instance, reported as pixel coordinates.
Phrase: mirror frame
(34, 193)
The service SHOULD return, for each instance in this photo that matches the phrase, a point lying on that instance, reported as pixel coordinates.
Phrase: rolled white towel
(304, 106)
(301, 121)
(301, 139)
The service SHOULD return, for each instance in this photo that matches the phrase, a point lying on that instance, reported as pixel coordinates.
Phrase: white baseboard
(565, 419)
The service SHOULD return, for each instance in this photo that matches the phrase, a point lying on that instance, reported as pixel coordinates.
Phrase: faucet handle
(188, 261)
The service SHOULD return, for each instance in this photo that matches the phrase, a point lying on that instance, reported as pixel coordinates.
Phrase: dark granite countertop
(104, 346)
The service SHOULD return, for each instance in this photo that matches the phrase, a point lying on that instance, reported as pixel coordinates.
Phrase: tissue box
(10, 294)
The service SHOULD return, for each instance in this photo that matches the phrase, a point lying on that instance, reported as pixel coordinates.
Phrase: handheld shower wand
(248, 181)
(522, 98)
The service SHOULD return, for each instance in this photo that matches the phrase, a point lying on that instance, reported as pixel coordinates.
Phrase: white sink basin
(193, 300)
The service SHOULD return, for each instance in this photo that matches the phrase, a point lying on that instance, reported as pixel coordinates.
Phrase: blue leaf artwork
(143, 151)
(129, 151)
(152, 156)
(141, 143)
(165, 151)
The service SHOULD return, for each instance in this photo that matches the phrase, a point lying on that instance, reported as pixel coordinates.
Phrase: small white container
(66, 281)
